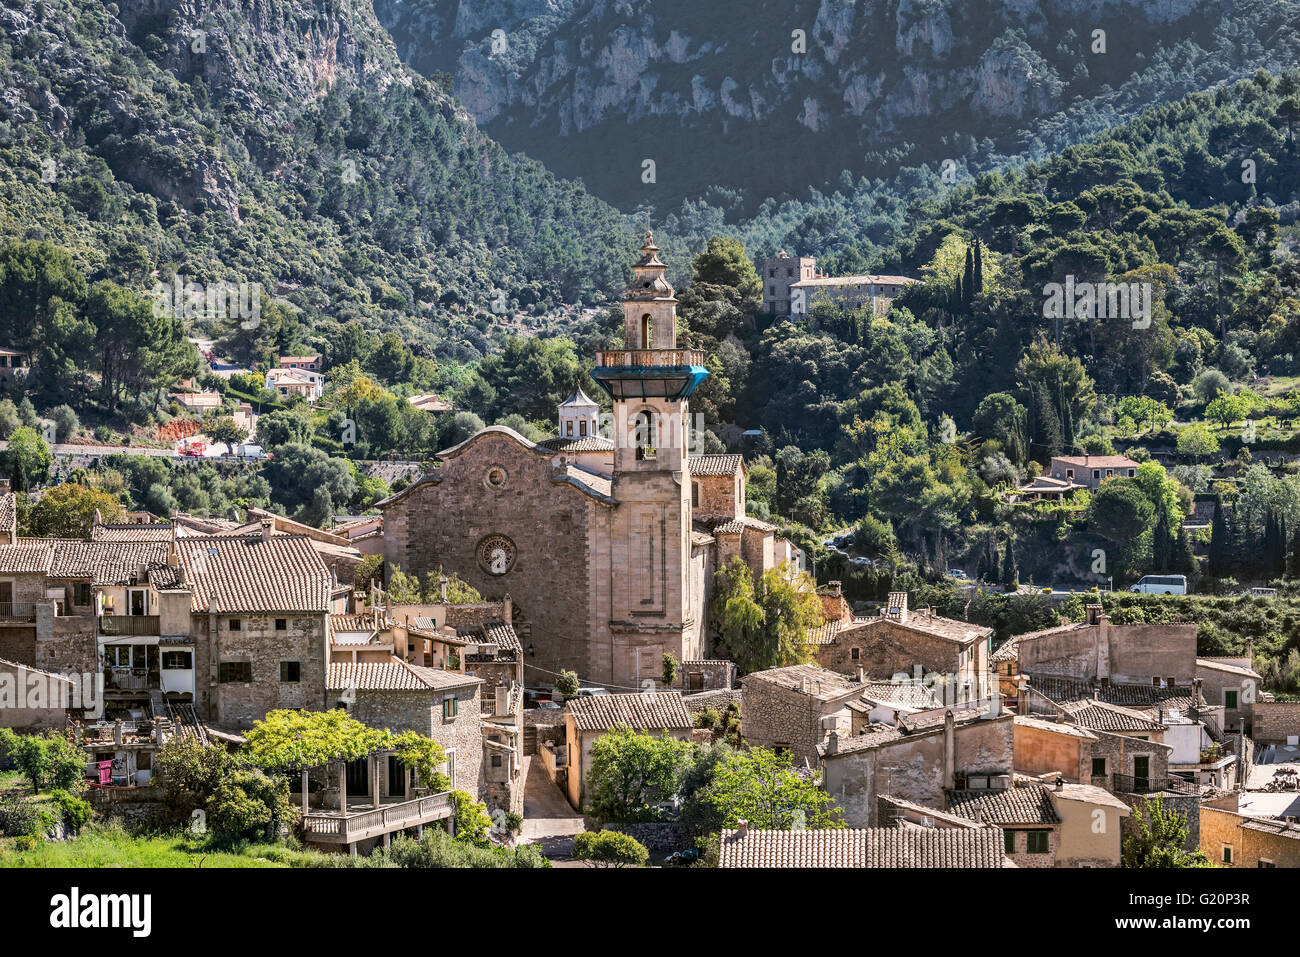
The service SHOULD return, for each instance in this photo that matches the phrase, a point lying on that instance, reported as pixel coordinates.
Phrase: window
(1131, 473)
(855, 654)
(771, 274)
(138, 601)
(396, 776)
(496, 760)
(235, 624)
(1096, 473)
(234, 671)
(695, 495)
(290, 672)
(1009, 841)
(1265, 863)
(177, 660)
(1227, 853)
(118, 656)
(1155, 681)
(81, 594)
(1069, 473)
(771, 290)
(281, 624)
(450, 707)
(1230, 698)
(582, 428)
(1098, 767)
(1036, 841)
(1169, 681)
(449, 767)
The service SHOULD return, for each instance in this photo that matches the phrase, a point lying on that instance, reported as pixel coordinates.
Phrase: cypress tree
(979, 268)
(968, 282)
(1010, 575)
(1295, 552)
(958, 297)
(1162, 542)
(1220, 542)
(995, 563)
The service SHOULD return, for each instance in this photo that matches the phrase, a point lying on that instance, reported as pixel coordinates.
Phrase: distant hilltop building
(790, 286)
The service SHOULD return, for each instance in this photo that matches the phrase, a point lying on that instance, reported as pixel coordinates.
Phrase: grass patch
(110, 845)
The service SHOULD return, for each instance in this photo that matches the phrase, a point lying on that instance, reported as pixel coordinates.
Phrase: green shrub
(17, 816)
(76, 812)
(609, 849)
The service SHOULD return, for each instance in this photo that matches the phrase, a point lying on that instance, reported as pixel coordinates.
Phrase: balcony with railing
(1152, 784)
(126, 626)
(18, 610)
(360, 823)
(649, 358)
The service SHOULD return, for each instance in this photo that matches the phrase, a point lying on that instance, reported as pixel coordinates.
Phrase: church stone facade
(607, 544)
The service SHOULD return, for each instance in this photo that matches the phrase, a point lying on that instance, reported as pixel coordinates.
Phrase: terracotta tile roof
(1089, 794)
(872, 736)
(881, 847)
(352, 623)
(104, 563)
(8, 511)
(494, 631)
(1097, 461)
(1055, 727)
(737, 525)
(587, 480)
(584, 443)
(1009, 650)
(1062, 690)
(863, 280)
(650, 711)
(825, 633)
(134, 532)
(1101, 716)
(935, 717)
(716, 464)
(1225, 666)
(1018, 805)
(934, 625)
(908, 694)
(806, 679)
(27, 558)
(394, 675)
(247, 574)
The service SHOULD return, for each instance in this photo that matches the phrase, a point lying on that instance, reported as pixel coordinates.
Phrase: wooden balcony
(361, 823)
(121, 626)
(650, 358)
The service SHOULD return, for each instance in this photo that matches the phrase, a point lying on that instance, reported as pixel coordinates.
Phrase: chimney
(896, 606)
(742, 827)
(99, 517)
(266, 529)
(1198, 697)
(117, 732)
(833, 743)
(835, 589)
(507, 609)
(442, 586)
(1250, 652)
(1093, 612)
(862, 675)
(949, 749)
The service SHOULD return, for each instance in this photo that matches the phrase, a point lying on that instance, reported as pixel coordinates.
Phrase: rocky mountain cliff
(772, 99)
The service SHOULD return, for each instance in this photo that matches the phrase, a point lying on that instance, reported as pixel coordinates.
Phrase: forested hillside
(282, 143)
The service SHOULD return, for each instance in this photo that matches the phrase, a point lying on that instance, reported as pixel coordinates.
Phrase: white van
(1161, 585)
(1263, 593)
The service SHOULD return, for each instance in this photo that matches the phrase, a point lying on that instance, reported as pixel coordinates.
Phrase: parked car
(549, 706)
(956, 573)
(1263, 593)
(591, 692)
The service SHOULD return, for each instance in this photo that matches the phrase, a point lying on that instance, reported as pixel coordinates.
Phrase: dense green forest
(294, 152)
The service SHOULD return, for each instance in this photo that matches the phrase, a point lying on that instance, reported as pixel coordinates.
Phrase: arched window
(645, 433)
(647, 332)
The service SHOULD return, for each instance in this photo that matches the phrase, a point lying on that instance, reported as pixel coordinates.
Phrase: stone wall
(1132, 653)
(718, 497)
(18, 644)
(1275, 721)
(1021, 856)
(259, 642)
(422, 711)
(1119, 750)
(694, 677)
(441, 520)
(659, 837)
(912, 767)
(1040, 751)
(773, 716)
(65, 644)
(1249, 846)
(884, 649)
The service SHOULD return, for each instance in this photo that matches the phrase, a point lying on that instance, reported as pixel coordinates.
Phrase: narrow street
(549, 821)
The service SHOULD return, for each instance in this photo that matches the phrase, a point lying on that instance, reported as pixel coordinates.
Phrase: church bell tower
(650, 381)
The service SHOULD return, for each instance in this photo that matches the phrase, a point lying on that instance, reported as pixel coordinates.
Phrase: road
(100, 450)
